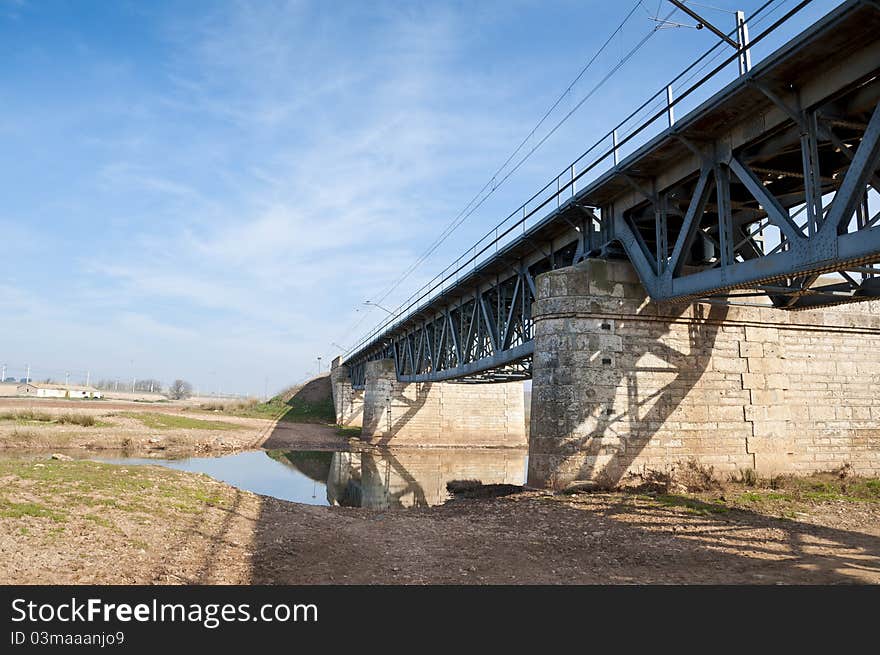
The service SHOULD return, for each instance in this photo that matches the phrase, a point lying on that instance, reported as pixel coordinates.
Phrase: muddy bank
(86, 522)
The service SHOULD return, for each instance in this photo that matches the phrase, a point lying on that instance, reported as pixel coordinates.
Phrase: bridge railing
(651, 118)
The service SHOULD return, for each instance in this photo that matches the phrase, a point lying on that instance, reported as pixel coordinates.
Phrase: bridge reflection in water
(413, 477)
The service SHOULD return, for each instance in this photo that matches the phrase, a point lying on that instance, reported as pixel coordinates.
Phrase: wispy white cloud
(289, 165)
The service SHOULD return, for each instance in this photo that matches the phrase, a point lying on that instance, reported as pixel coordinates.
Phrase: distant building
(49, 390)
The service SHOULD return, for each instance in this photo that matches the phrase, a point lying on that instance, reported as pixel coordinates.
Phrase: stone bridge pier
(347, 401)
(622, 384)
(440, 413)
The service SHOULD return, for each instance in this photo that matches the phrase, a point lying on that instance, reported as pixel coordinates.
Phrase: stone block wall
(622, 384)
(440, 413)
(348, 402)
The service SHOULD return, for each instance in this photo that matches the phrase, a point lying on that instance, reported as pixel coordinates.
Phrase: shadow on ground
(521, 538)
(530, 539)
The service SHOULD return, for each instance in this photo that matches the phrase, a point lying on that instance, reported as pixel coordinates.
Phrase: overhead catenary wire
(493, 183)
(636, 130)
(519, 164)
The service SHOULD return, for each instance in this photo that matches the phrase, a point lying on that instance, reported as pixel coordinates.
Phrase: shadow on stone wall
(387, 424)
(615, 441)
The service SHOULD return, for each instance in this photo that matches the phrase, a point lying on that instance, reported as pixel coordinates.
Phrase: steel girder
(770, 216)
(482, 334)
(760, 190)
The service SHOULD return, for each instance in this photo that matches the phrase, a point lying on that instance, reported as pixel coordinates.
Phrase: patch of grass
(830, 486)
(783, 495)
(158, 421)
(758, 496)
(211, 498)
(305, 412)
(100, 520)
(9, 509)
(273, 409)
(26, 416)
(230, 407)
(692, 505)
(294, 410)
(85, 420)
(348, 431)
(93, 490)
(32, 416)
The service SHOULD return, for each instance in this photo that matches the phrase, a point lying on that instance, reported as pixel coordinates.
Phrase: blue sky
(210, 190)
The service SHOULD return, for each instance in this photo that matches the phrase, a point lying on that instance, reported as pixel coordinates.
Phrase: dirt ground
(583, 539)
(119, 428)
(83, 522)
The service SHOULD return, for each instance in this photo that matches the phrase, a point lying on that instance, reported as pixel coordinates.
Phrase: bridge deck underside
(761, 190)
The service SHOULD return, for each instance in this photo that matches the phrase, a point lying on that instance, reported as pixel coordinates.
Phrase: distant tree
(179, 390)
(149, 386)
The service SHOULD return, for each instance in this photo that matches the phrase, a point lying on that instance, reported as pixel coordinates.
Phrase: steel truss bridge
(760, 190)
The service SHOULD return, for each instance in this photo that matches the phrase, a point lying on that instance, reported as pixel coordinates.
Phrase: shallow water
(378, 479)
(252, 471)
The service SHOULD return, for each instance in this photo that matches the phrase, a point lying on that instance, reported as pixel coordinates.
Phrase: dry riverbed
(84, 522)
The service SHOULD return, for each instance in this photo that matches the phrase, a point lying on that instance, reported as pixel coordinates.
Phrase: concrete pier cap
(622, 385)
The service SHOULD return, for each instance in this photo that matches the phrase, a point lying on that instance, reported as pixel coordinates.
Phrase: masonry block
(732, 387)
(440, 413)
(347, 401)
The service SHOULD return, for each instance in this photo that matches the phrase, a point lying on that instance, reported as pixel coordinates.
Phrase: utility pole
(702, 21)
(742, 39)
(66, 378)
(742, 33)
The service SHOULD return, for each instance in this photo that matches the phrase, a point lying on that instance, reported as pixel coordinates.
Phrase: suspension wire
(698, 4)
